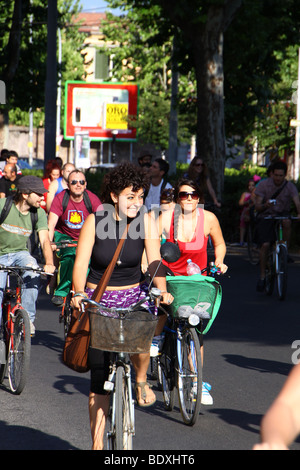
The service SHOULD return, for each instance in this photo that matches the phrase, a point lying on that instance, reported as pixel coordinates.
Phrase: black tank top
(107, 236)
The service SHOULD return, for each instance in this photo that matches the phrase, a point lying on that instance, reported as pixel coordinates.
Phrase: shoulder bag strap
(274, 196)
(98, 292)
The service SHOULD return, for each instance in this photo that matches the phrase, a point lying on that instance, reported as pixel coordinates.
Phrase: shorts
(265, 231)
(100, 361)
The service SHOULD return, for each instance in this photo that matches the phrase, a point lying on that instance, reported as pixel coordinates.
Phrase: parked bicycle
(66, 310)
(180, 361)
(276, 269)
(15, 330)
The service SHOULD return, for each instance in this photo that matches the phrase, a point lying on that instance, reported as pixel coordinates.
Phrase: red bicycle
(15, 336)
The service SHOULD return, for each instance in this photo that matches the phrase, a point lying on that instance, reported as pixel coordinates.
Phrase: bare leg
(98, 410)
(140, 363)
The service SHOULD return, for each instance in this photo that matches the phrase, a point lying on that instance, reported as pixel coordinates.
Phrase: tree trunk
(208, 59)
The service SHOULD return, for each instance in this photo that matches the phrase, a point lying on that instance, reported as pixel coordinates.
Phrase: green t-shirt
(17, 228)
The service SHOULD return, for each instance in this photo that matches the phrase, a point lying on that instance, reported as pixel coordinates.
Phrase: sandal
(143, 394)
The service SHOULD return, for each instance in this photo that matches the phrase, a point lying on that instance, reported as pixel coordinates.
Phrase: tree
(199, 28)
(23, 54)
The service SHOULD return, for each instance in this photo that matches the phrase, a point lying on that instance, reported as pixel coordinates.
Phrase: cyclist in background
(67, 214)
(60, 184)
(190, 226)
(15, 231)
(273, 197)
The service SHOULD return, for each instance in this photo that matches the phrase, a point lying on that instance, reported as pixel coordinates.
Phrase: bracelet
(80, 294)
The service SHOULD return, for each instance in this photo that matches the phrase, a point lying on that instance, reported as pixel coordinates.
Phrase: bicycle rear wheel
(189, 375)
(19, 352)
(270, 274)
(281, 271)
(123, 425)
(166, 372)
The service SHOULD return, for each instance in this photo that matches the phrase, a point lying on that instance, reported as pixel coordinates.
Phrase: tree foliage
(23, 56)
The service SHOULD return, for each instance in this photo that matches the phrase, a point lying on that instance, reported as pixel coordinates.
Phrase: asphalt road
(248, 355)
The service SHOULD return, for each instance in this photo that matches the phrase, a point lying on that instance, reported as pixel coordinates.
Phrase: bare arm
(53, 186)
(83, 255)
(47, 251)
(52, 221)
(212, 228)
(281, 424)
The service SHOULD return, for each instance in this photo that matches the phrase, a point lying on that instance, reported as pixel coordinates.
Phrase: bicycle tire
(281, 271)
(270, 275)
(253, 250)
(67, 314)
(166, 372)
(19, 352)
(189, 375)
(4, 336)
(123, 428)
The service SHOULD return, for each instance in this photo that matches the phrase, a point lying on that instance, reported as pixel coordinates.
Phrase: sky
(97, 6)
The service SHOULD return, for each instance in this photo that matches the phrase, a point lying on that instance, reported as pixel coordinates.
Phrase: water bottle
(192, 268)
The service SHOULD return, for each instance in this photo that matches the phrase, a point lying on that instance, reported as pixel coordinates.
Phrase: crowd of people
(175, 213)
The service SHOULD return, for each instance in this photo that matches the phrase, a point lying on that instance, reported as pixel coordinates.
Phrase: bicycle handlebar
(280, 217)
(21, 269)
(64, 244)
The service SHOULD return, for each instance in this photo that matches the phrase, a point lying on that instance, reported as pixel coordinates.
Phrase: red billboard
(104, 110)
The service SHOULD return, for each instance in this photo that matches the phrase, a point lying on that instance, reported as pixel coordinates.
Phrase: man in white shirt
(158, 173)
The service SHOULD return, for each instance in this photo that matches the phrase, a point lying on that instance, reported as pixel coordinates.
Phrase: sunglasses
(73, 182)
(184, 195)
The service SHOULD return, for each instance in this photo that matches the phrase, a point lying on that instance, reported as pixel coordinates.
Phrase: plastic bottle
(192, 268)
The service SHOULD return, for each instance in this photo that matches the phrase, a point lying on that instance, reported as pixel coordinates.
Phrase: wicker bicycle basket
(131, 334)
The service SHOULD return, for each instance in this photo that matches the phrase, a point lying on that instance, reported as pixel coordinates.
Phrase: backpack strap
(6, 209)
(86, 200)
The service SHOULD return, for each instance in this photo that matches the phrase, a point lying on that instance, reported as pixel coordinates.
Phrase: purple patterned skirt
(125, 297)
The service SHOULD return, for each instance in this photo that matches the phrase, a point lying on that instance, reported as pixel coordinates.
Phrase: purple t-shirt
(71, 221)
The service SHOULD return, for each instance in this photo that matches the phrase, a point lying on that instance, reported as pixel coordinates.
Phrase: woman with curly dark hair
(122, 198)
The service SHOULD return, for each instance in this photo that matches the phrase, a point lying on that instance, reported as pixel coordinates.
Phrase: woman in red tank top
(190, 226)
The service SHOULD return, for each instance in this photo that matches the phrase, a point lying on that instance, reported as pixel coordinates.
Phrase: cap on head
(31, 184)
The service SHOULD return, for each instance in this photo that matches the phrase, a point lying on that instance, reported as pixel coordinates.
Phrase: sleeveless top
(196, 249)
(107, 236)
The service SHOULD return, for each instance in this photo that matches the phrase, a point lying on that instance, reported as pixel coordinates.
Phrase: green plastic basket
(194, 290)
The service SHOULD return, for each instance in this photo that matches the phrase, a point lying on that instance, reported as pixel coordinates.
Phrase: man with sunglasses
(65, 220)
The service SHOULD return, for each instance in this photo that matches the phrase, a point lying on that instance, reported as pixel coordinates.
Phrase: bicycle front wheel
(19, 352)
(166, 372)
(281, 271)
(123, 407)
(189, 375)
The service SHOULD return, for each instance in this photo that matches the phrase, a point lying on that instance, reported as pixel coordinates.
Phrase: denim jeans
(29, 292)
